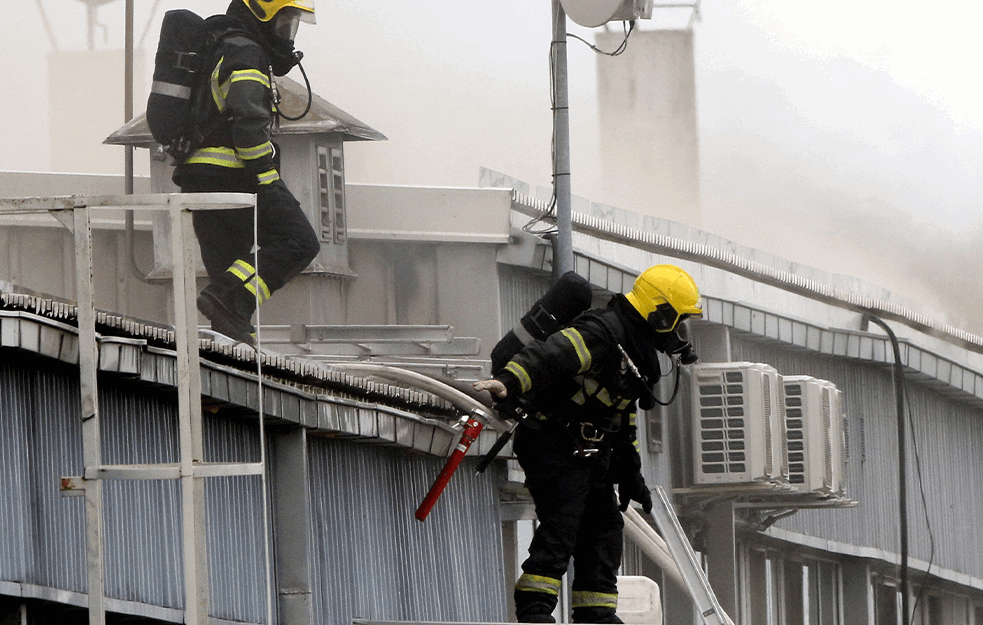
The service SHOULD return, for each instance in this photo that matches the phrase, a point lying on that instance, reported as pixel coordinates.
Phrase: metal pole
(128, 97)
(561, 143)
(91, 436)
(90, 21)
(189, 412)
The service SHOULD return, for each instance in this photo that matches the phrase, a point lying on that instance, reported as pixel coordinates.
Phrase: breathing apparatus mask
(283, 31)
(672, 329)
(679, 343)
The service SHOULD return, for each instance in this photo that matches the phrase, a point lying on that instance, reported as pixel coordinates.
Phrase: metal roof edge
(334, 404)
(709, 255)
(944, 374)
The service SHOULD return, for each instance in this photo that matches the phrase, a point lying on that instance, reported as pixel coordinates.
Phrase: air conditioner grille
(827, 441)
(722, 425)
(769, 439)
(794, 434)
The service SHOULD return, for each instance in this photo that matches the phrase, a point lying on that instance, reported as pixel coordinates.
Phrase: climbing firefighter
(255, 42)
(582, 384)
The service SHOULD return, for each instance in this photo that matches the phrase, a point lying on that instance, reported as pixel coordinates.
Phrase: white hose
(459, 399)
(649, 541)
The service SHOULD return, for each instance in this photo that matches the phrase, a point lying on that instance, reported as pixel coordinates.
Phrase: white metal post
(91, 436)
(189, 412)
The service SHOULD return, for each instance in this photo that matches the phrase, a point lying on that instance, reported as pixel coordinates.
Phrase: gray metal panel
(394, 567)
(234, 517)
(40, 443)
(949, 440)
(43, 541)
(142, 518)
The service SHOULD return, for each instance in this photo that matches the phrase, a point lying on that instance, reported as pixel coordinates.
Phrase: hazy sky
(823, 126)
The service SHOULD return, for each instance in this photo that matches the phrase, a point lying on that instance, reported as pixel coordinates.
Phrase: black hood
(642, 344)
(280, 50)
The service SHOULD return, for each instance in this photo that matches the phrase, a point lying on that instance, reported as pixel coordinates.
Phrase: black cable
(310, 97)
(899, 399)
(551, 207)
(675, 390)
(928, 523)
(617, 51)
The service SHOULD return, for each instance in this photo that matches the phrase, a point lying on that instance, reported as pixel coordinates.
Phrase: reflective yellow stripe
(579, 346)
(268, 176)
(223, 157)
(241, 75)
(624, 404)
(587, 599)
(249, 154)
(631, 419)
(579, 398)
(221, 91)
(257, 287)
(538, 583)
(525, 383)
(590, 385)
(604, 397)
(251, 280)
(242, 270)
(218, 95)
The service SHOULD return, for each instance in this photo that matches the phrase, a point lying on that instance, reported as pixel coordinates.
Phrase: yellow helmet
(664, 295)
(265, 10)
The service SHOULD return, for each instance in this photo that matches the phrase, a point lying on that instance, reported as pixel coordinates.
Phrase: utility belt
(588, 438)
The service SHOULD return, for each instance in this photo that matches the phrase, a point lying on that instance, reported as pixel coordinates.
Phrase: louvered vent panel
(734, 434)
(828, 461)
(770, 467)
(813, 434)
(794, 433)
(723, 424)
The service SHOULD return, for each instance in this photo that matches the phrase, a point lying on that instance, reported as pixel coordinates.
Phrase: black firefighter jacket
(589, 371)
(236, 106)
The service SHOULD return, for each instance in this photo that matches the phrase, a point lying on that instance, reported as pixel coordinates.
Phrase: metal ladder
(689, 567)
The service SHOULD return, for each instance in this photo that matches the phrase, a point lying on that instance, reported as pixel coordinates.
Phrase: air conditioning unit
(814, 435)
(737, 423)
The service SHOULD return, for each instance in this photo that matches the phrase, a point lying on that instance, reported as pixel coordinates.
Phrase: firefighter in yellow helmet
(235, 116)
(580, 387)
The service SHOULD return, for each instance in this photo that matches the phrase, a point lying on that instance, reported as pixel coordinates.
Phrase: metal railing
(74, 212)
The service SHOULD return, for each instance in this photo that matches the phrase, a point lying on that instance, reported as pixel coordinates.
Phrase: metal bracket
(72, 486)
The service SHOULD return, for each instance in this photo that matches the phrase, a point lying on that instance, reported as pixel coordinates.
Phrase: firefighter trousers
(578, 517)
(287, 242)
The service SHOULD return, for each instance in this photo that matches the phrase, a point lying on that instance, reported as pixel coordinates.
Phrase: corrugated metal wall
(448, 568)
(143, 518)
(370, 557)
(948, 436)
(44, 533)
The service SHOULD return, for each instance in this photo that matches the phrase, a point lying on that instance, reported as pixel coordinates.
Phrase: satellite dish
(593, 13)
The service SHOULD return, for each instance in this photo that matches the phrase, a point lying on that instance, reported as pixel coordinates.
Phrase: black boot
(229, 306)
(534, 607)
(595, 614)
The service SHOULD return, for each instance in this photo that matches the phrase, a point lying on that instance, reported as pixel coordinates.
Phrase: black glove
(512, 409)
(633, 488)
(626, 465)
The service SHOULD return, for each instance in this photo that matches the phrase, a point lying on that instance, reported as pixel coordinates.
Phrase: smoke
(828, 162)
(809, 155)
